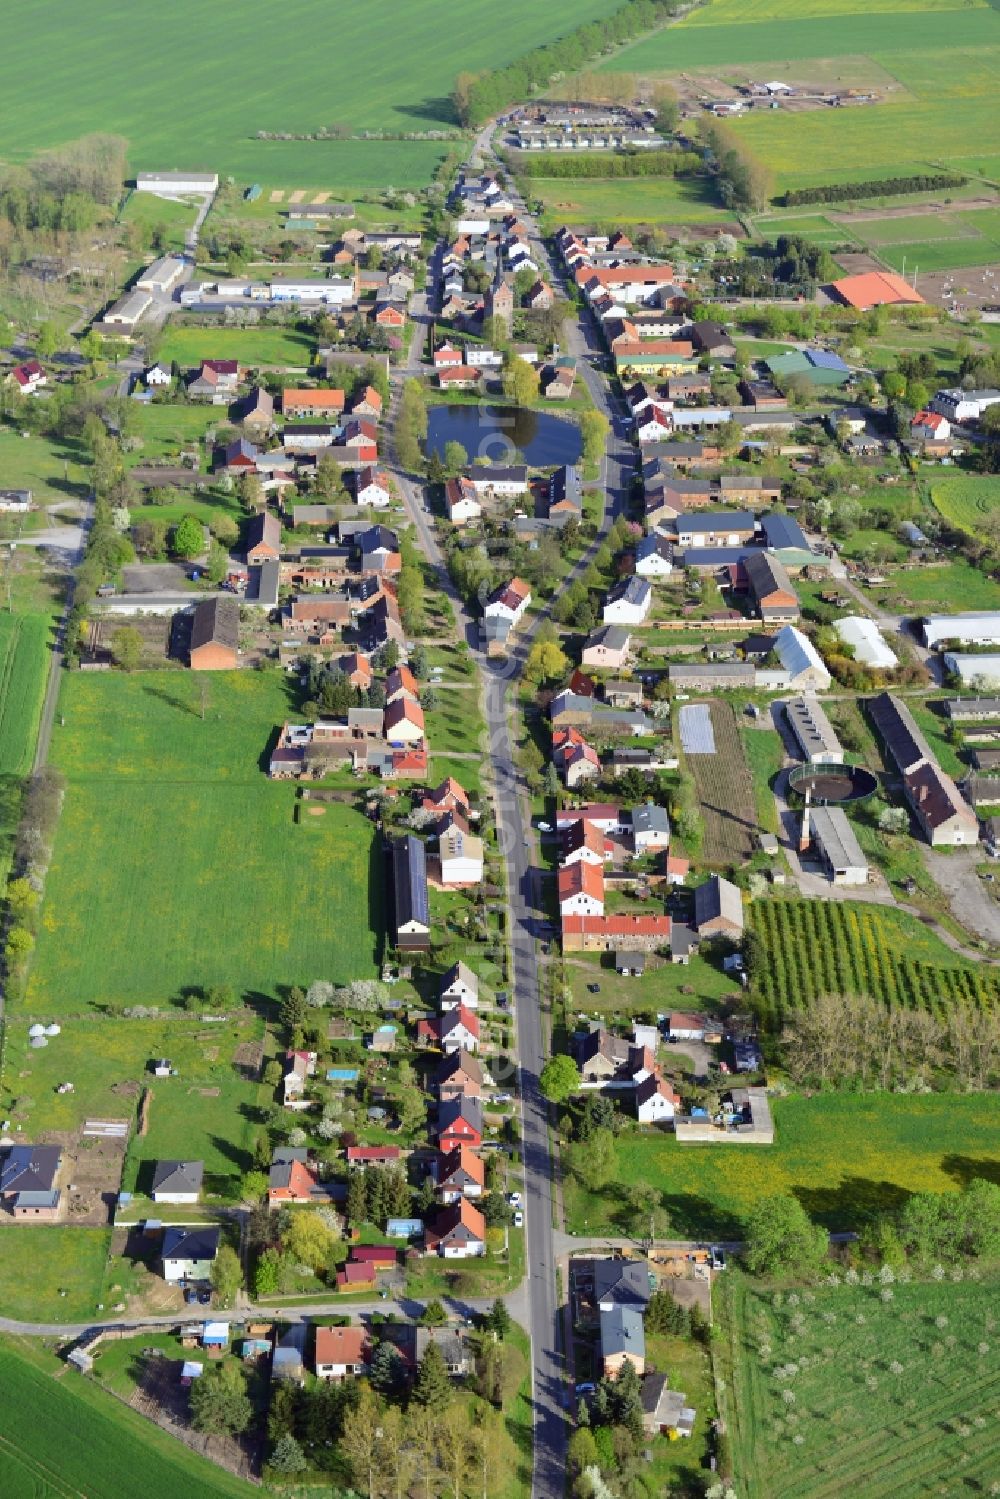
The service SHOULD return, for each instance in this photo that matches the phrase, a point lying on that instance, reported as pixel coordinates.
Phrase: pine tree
(384, 1369)
(288, 1456)
(432, 1386)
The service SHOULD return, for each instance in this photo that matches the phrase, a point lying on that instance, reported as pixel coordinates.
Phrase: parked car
(515, 1199)
(717, 1259)
(586, 1388)
(518, 1220)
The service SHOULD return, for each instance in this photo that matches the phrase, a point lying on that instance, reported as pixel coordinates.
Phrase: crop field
(942, 109)
(332, 68)
(845, 1157)
(23, 647)
(746, 12)
(834, 947)
(725, 792)
(966, 500)
(252, 346)
(64, 1437)
(178, 863)
(815, 227)
(627, 201)
(892, 1393)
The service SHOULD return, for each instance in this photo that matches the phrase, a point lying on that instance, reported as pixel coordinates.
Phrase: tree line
(640, 163)
(877, 187)
(479, 96)
(855, 1041)
(744, 182)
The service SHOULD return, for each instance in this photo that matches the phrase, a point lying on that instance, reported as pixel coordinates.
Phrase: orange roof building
(876, 289)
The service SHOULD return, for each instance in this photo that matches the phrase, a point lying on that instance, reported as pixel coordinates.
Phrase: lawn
(844, 1156)
(62, 1436)
(257, 347)
(51, 468)
(205, 1113)
(174, 217)
(627, 201)
(39, 1262)
(764, 754)
(814, 227)
(729, 12)
(178, 863)
(929, 589)
(966, 500)
(456, 723)
(325, 67)
(24, 642)
(698, 984)
(891, 1393)
(838, 947)
(165, 429)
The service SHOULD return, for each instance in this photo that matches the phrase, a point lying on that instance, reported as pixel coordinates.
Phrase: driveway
(156, 577)
(971, 899)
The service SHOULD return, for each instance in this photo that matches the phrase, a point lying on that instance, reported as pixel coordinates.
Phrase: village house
(461, 857)
(299, 1066)
(189, 1253)
(27, 378)
(628, 603)
(508, 602)
(28, 1176)
(621, 1282)
(452, 1030)
(650, 828)
(458, 1232)
(581, 890)
(459, 1076)
(458, 1174)
(718, 909)
(461, 502)
(622, 1340)
(770, 588)
(217, 381)
(263, 538)
(499, 481)
(573, 757)
(291, 1178)
(607, 648)
(459, 986)
(372, 488)
(341, 1352)
(177, 1181)
(459, 1122)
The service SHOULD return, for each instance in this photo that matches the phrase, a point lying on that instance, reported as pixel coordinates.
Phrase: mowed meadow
(194, 84)
(178, 863)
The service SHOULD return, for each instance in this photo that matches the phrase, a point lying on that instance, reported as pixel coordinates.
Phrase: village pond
(504, 434)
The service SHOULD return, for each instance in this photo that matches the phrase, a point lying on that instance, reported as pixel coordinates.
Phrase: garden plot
(725, 791)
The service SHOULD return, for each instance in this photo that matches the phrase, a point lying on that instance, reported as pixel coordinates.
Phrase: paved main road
(550, 1391)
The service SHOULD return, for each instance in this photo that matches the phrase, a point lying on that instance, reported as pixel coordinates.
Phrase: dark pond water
(500, 432)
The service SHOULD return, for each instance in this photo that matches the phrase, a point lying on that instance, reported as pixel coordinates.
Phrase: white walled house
(628, 603)
(177, 1181)
(460, 986)
(189, 1253)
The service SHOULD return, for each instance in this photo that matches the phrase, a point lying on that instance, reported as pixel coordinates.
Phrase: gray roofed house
(835, 842)
(28, 1168)
(623, 1339)
(619, 1282)
(566, 492)
(288, 1360)
(782, 533)
(814, 733)
(177, 1181)
(188, 1252)
(650, 827)
(718, 908)
(969, 709)
(664, 1409)
(411, 906)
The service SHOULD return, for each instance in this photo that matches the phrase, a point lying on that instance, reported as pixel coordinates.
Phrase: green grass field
(457, 722)
(153, 212)
(325, 66)
(890, 1394)
(926, 589)
(23, 659)
(38, 1262)
(164, 429)
(53, 470)
(844, 1156)
(945, 62)
(812, 226)
(205, 1113)
(252, 346)
(178, 863)
(63, 1437)
(627, 201)
(966, 500)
